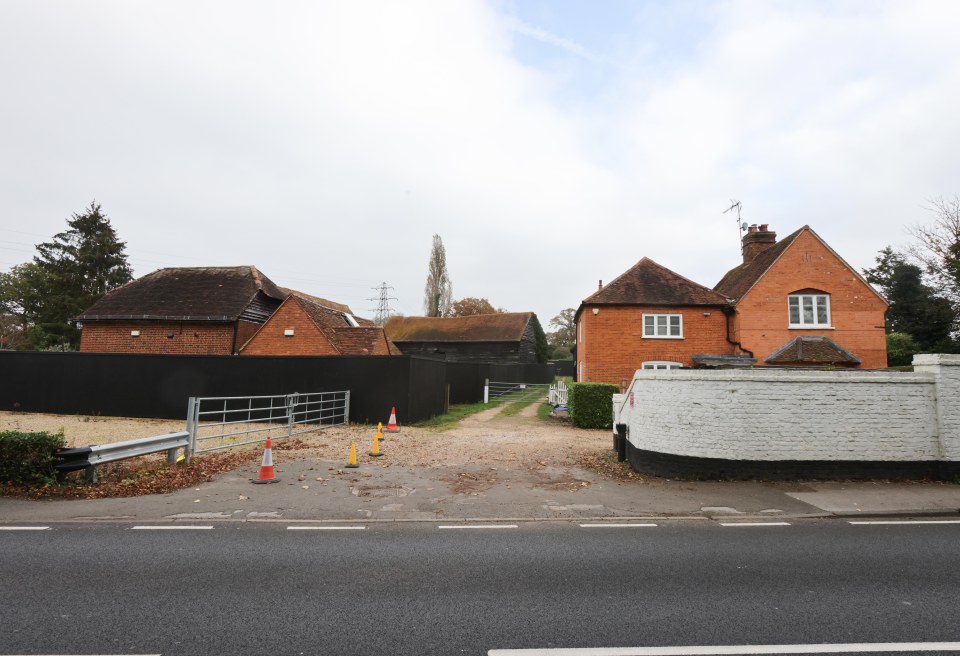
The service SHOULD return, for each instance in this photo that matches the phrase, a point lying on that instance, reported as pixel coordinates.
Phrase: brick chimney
(757, 240)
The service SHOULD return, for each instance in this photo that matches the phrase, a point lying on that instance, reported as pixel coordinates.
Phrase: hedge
(591, 404)
(27, 458)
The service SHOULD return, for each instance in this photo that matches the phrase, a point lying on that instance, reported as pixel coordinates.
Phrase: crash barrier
(516, 391)
(88, 457)
(227, 421)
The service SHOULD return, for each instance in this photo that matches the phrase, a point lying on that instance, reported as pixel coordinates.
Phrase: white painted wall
(775, 414)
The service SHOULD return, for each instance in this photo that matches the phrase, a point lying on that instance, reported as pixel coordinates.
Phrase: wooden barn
(504, 338)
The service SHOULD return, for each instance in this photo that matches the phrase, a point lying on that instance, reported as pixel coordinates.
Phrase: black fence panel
(466, 382)
(127, 385)
(565, 367)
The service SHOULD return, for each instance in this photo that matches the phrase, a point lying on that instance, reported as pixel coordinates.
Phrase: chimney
(757, 240)
(599, 285)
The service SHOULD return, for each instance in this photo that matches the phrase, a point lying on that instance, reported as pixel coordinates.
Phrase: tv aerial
(741, 225)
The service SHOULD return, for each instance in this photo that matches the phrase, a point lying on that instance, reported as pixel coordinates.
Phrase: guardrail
(88, 457)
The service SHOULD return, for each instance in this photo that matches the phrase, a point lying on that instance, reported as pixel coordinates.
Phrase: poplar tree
(438, 292)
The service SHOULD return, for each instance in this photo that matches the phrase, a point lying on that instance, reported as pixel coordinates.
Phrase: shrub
(591, 404)
(27, 458)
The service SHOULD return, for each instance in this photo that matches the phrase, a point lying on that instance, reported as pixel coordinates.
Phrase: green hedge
(27, 458)
(591, 404)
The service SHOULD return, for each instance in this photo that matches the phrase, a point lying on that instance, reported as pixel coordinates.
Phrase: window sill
(792, 327)
(662, 337)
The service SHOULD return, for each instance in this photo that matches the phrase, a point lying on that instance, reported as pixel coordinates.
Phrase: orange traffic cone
(392, 424)
(352, 460)
(266, 469)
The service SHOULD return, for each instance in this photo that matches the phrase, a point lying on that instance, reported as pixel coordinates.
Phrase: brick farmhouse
(793, 302)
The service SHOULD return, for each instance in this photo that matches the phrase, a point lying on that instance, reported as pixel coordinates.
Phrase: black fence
(125, 385)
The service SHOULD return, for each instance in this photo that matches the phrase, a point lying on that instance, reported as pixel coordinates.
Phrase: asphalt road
(261, 588)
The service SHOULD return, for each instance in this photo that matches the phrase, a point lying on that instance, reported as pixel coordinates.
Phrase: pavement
(319, 491)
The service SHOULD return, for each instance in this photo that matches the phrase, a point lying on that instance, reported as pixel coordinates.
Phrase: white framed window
(663, 326)
(660, 364)
(809, 310)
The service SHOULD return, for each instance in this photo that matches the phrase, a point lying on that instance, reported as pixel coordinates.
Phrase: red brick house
(306, 325)
(194, 310)
(793, 302)
(502, 338)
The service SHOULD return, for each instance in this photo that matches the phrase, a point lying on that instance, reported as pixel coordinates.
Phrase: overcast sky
(550, 144)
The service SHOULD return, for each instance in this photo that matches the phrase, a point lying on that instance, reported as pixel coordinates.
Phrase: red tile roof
(501, 327)
(811, 349)
(740, 279)
(649, 283)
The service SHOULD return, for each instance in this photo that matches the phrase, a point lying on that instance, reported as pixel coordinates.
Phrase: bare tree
(938, 250)
(438, 292)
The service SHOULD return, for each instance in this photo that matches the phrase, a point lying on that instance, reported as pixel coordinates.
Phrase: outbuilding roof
(500, 327)
(649, 283)
(187, 294)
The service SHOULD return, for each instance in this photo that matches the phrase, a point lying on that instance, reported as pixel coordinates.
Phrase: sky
(550, 143)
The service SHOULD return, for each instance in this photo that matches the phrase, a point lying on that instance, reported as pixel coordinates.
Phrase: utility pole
(382, 311)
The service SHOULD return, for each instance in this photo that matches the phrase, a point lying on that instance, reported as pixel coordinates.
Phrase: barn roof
(649, 283)
(500, 327)
(187, 294)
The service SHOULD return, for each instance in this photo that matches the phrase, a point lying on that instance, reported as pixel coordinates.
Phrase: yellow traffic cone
(352, 461)
(380, 431)
(376, 446)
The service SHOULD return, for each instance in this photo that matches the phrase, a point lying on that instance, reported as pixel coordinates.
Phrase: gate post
(346, 407)
(486, 391)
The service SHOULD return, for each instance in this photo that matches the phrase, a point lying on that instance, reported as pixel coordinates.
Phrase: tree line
(40, 299)
(921, 282)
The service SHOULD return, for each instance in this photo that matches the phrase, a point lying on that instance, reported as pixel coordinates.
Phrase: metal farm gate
(228, 421)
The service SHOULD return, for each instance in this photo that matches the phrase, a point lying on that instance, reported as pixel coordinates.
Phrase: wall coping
(942, 359)
(788, 376)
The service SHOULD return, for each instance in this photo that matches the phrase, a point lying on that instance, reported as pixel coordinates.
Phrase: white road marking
(326, 528)
(171, 527)
(738, 650)
(481, 526)
(616, 525)
(24, 528)
(906, 521)
(754, 523)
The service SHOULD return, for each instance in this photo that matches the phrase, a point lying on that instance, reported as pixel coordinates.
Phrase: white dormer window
(809, 310)
(351, 320)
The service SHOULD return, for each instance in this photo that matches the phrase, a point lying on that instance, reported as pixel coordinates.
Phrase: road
(417, 588)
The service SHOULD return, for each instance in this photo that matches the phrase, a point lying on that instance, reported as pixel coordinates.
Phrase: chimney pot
(764, 227)
(753, 228)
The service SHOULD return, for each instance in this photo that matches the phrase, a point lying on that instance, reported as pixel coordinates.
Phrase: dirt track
(522, 440)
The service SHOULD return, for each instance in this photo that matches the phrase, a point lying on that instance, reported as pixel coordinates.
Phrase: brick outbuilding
(188, 310)
(306, 325)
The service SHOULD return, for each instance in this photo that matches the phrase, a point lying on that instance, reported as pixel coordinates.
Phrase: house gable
(290, 331)
(806, 264)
